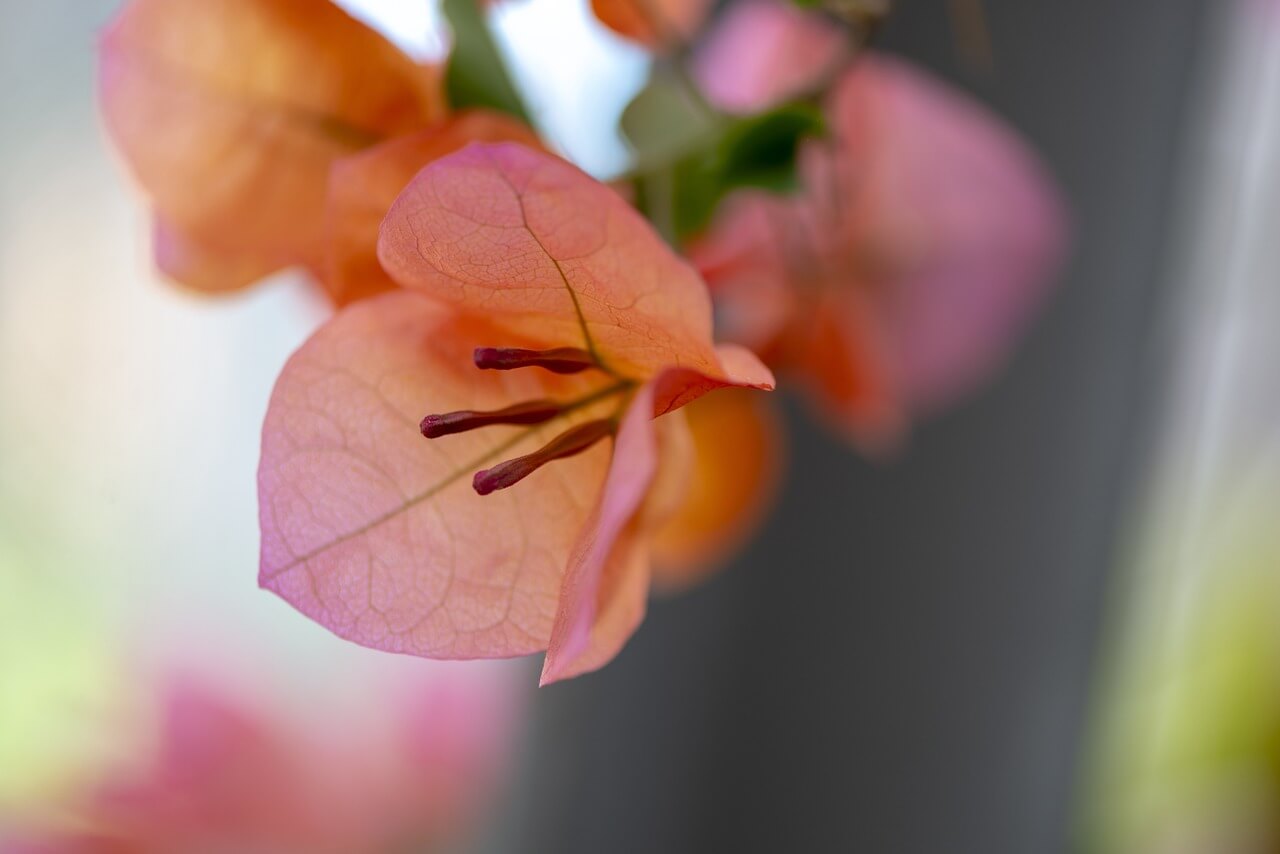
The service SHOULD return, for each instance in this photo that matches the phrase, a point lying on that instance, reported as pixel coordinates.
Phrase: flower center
(575, 440)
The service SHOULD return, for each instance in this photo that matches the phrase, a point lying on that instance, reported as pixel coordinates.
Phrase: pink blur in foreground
(228, 778)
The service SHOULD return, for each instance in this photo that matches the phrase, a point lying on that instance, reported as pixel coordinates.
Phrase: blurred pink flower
(761, 52)
(228, 778)
(897, 279)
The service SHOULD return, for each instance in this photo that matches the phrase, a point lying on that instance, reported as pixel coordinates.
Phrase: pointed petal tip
(548, 675)
(559, 668)
(744, 368)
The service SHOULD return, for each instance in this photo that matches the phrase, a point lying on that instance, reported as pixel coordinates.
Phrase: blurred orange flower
(657, 24)
(363, 186)
(232, 115)
(729, 477)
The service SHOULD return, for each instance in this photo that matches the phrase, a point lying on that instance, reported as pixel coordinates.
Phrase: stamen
(573, 441)
(531, 412)
(560, 360)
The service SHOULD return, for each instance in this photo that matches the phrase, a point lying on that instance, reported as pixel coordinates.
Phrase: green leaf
(665, 120)
(689, 156)
(699, 187)
(476, 75)
(761, 151)
(758, 151)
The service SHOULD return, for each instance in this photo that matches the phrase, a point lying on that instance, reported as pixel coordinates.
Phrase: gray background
(903, 660)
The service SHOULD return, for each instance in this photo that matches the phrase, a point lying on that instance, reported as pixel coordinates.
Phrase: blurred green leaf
(689, 156)
(666, 121)
(476, 75)
(761, 151)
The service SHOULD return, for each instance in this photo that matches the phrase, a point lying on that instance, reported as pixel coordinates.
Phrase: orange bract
(655, 23)
(733, 466)
(363, 186)
(230, 114)
(539, 248)
(183, 258)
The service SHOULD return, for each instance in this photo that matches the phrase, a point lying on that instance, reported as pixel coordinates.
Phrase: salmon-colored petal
(229, 113)
(602, 611)
(762, 52)
(603, 598)
(376, 532)
(736, 464)
(188, 262)
(654, 23)
(741, 368)
(736, 367)
(535, 244)
(363, 186)
(674, 473)
(959, 225)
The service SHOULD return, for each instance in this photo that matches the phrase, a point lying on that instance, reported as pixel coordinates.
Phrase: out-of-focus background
(1052, 624)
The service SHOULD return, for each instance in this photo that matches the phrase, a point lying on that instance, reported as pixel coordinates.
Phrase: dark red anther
(560, 360)
(572, 441)
(532, 412)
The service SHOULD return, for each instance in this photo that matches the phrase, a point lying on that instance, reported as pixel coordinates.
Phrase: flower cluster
(519, 416)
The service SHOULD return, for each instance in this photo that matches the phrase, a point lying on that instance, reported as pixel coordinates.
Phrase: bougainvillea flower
(230, 114)
(760, 53)
(227, 776)
(898, 277)
(541, 329)
(657, 24)
(363, 186)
